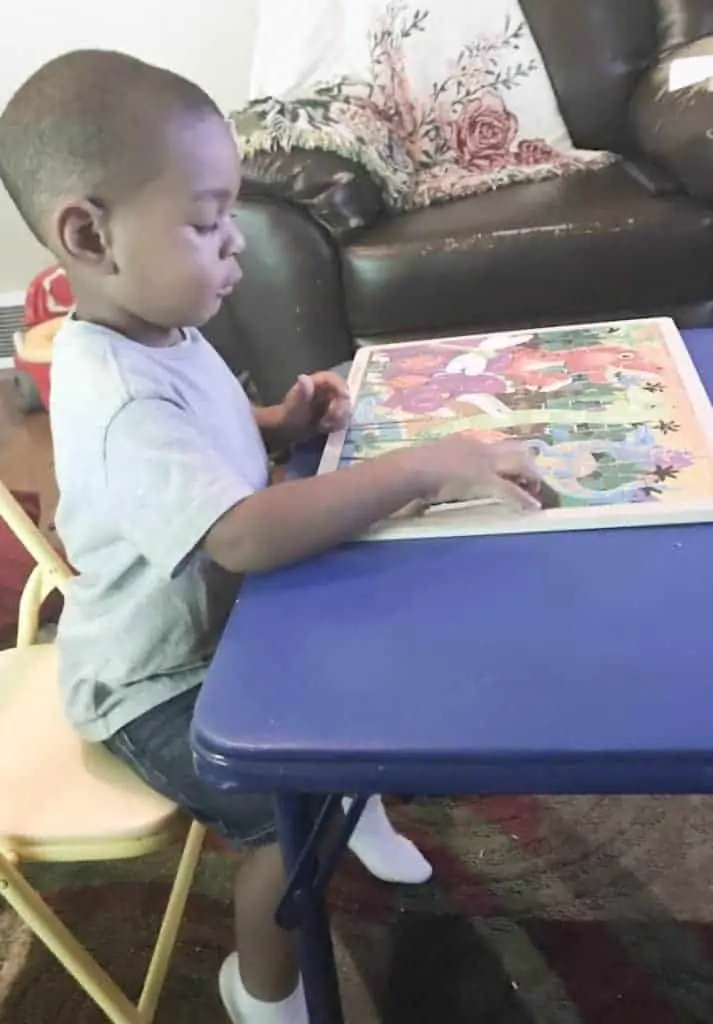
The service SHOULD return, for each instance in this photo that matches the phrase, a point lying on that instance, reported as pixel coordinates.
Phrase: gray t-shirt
(152, 446)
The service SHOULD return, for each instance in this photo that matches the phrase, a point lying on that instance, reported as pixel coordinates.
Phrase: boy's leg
(383, 851)
(259, 982)
(266, 953)
(263, 976)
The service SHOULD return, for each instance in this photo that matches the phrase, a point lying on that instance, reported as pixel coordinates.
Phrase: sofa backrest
(595, 51)
(683, 21)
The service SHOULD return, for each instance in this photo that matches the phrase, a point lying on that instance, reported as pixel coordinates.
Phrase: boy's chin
(211, 310)
(199, 318)
(198, 314)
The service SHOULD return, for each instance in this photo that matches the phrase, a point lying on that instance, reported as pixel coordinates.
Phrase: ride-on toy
(47, 302)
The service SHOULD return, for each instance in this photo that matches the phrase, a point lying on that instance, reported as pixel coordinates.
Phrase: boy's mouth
(234, 279)
(231, 285)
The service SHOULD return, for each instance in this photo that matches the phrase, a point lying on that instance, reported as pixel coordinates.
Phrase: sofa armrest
(674, 130)
(338, 193)
(287, 315)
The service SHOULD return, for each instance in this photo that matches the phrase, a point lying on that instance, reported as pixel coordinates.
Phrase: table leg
(296, 820)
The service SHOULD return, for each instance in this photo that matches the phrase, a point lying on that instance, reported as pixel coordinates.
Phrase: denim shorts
(156, 747)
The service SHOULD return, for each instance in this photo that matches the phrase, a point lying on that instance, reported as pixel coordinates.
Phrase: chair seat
(61, 797)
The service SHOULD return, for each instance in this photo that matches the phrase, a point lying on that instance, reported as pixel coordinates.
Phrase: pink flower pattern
(466, 140)
(462, 140)
(483, 133)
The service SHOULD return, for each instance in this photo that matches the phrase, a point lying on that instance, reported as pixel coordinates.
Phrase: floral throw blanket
(435, 102)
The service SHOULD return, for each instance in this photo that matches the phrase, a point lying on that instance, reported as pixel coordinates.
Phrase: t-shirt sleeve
(166, 487)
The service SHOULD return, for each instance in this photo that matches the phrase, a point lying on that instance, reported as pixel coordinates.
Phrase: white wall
(209, 41)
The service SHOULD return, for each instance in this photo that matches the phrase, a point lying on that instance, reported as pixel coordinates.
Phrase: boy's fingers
(307, 386)
(518, 464)
(340, 409)
(512, 494)
(336, 416)
(330, 382)
(527, 483)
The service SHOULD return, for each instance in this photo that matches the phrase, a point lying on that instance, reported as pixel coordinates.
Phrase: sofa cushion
(595, 52)
(683, 21)
(673, 127)
(596, 242)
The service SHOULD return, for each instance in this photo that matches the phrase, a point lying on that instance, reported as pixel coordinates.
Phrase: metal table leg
(311, 852)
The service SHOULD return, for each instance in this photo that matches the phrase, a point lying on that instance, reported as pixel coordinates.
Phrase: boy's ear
(83, 234)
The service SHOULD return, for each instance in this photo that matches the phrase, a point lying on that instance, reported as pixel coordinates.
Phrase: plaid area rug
(557, 911)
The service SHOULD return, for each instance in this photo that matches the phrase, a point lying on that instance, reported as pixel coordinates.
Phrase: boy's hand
(462, 467)
(316, 404)
(300, 518)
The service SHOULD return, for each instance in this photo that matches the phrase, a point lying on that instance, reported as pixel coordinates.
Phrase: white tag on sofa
(686, 72)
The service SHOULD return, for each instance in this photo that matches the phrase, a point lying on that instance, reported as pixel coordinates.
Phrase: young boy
(129, 175)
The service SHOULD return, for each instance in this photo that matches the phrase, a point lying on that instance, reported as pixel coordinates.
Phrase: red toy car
(47, 301)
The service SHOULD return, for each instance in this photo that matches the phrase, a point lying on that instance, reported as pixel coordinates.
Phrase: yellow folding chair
(62, 799)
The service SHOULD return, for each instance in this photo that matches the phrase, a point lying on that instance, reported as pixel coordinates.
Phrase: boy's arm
(168, 493)
(295, 520)
(269, 420)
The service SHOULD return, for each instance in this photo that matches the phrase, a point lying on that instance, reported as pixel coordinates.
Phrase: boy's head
(129, 174)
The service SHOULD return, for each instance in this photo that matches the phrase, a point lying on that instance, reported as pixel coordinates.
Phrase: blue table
(557, 663)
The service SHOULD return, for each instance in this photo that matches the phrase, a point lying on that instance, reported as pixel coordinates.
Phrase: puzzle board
(614, 413)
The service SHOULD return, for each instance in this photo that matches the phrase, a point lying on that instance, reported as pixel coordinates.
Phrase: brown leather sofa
(632, 239)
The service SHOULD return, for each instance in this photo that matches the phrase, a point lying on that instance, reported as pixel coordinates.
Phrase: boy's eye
(206, 229)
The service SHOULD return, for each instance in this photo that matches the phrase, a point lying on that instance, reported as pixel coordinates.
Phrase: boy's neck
(127, 325)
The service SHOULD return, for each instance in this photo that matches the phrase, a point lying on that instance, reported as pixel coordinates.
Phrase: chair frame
(51, 572)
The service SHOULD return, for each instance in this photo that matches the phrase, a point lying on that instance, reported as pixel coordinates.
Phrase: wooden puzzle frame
(683, 495)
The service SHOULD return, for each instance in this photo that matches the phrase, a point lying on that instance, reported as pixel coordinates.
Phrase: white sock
(242, 1008)
(382, 850)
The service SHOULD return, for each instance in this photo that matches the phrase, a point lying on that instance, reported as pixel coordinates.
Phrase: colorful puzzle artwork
(614, 413)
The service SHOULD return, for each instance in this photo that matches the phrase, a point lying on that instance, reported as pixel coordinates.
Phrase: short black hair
(86, 124)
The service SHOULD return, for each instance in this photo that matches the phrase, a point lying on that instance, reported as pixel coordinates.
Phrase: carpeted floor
(556, 911)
